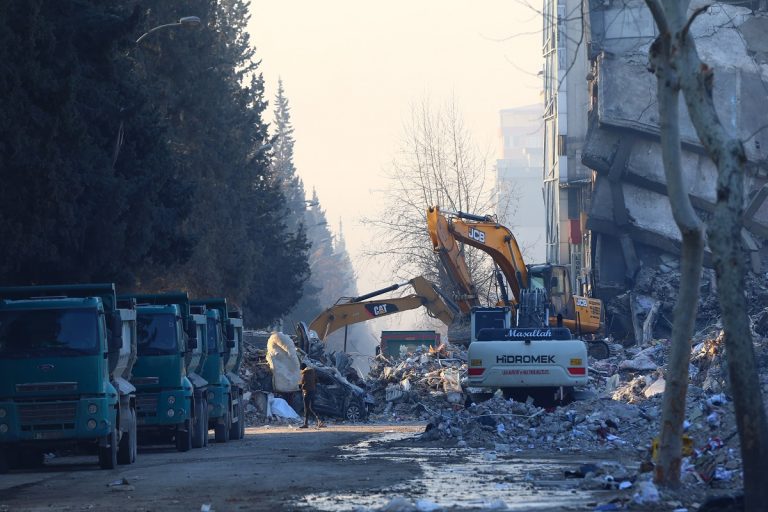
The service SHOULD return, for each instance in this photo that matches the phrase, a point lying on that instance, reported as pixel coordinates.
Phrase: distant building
(519, 198)
(608, 215)
(567, 182)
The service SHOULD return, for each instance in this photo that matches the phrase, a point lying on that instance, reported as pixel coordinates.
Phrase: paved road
(341, 467)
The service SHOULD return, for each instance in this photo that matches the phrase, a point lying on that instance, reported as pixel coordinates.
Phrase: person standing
(308, 385)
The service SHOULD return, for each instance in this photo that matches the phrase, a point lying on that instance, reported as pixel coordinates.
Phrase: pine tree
(283, 166)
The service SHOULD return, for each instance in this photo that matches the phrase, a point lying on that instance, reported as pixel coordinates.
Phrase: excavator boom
(359, 309)
(452, 258)
(446, 229)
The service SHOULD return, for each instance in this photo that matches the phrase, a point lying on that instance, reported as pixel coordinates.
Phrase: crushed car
(338, 397)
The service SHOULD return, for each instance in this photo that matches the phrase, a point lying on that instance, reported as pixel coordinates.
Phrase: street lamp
(186, 21)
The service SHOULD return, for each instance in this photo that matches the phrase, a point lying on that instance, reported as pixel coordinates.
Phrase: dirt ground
(341, 467)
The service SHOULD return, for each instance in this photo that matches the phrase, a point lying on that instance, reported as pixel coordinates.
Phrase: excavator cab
(555, 281)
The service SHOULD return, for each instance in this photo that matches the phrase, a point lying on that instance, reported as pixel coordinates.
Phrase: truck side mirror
(191, 343)
(115, 342)
(230, 331)
(230, 343)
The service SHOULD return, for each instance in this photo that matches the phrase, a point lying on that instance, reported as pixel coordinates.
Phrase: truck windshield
(213, 338)
(48, 332)
(156, 335)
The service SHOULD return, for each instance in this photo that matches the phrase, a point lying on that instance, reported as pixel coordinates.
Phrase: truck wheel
(206, 422)
(234, 427)
(354, 411)
(242, 419)
(221, 429)
(201, 424)
(108, 453)
(31, 459)
(5, 464)
(184, 436)
(126, 453)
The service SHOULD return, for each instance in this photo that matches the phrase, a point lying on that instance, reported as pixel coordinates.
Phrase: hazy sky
(352, 69)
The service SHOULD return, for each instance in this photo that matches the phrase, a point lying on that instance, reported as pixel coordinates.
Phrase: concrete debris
(656, 388)
(122, 485)
(619, 416)
(647, 494)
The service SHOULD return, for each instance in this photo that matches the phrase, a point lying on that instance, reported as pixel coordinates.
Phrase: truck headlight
(171, 400)
(3, 428)
(93, 408)
(170, 413)
(91, 423)
(2, 412)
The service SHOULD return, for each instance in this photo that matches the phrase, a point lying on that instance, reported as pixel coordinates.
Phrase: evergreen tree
(67, 211)
(146, 165)
(291, 185)
(244, 249)
(332, 276)
(283, 166)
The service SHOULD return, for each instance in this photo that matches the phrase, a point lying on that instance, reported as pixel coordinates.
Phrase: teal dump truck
(66, 355)
(396, 343)
(225, 388)
(170, 393)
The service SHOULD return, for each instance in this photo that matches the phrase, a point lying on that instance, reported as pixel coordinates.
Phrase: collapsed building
(608, 215)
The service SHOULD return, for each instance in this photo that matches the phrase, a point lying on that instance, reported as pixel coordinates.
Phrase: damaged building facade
(608, 215)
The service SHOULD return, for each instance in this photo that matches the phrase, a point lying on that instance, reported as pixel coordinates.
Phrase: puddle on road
(466, 479)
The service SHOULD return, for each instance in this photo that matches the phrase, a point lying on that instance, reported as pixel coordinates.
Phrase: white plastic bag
(280, 408)
(284, 363)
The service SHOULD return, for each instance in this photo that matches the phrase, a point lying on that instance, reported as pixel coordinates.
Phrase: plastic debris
(280, 408)
(427, 506)
(647, 494)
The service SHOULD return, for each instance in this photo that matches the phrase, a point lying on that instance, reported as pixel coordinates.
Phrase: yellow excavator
(542, 282)
(353, 310)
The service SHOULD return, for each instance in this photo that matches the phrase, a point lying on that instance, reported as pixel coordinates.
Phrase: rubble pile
(619, 412)
(268, 367)
(418, 385)
(255, 371)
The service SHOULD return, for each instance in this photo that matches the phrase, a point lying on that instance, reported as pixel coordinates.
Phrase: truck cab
(225, 388)
(66, 355)
(169, 393)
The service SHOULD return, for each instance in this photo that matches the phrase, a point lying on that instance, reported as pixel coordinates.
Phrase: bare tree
(438, 164)
(661, 56)
(696, 81)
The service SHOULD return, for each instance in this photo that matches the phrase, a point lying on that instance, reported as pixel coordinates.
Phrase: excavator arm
(359, 309)
(497, 241)
(452, 258)
(580, 314)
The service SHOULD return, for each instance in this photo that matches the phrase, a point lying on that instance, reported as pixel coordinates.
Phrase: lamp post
(184, 21)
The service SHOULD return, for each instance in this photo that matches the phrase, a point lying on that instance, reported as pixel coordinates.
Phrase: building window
(562, 145)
